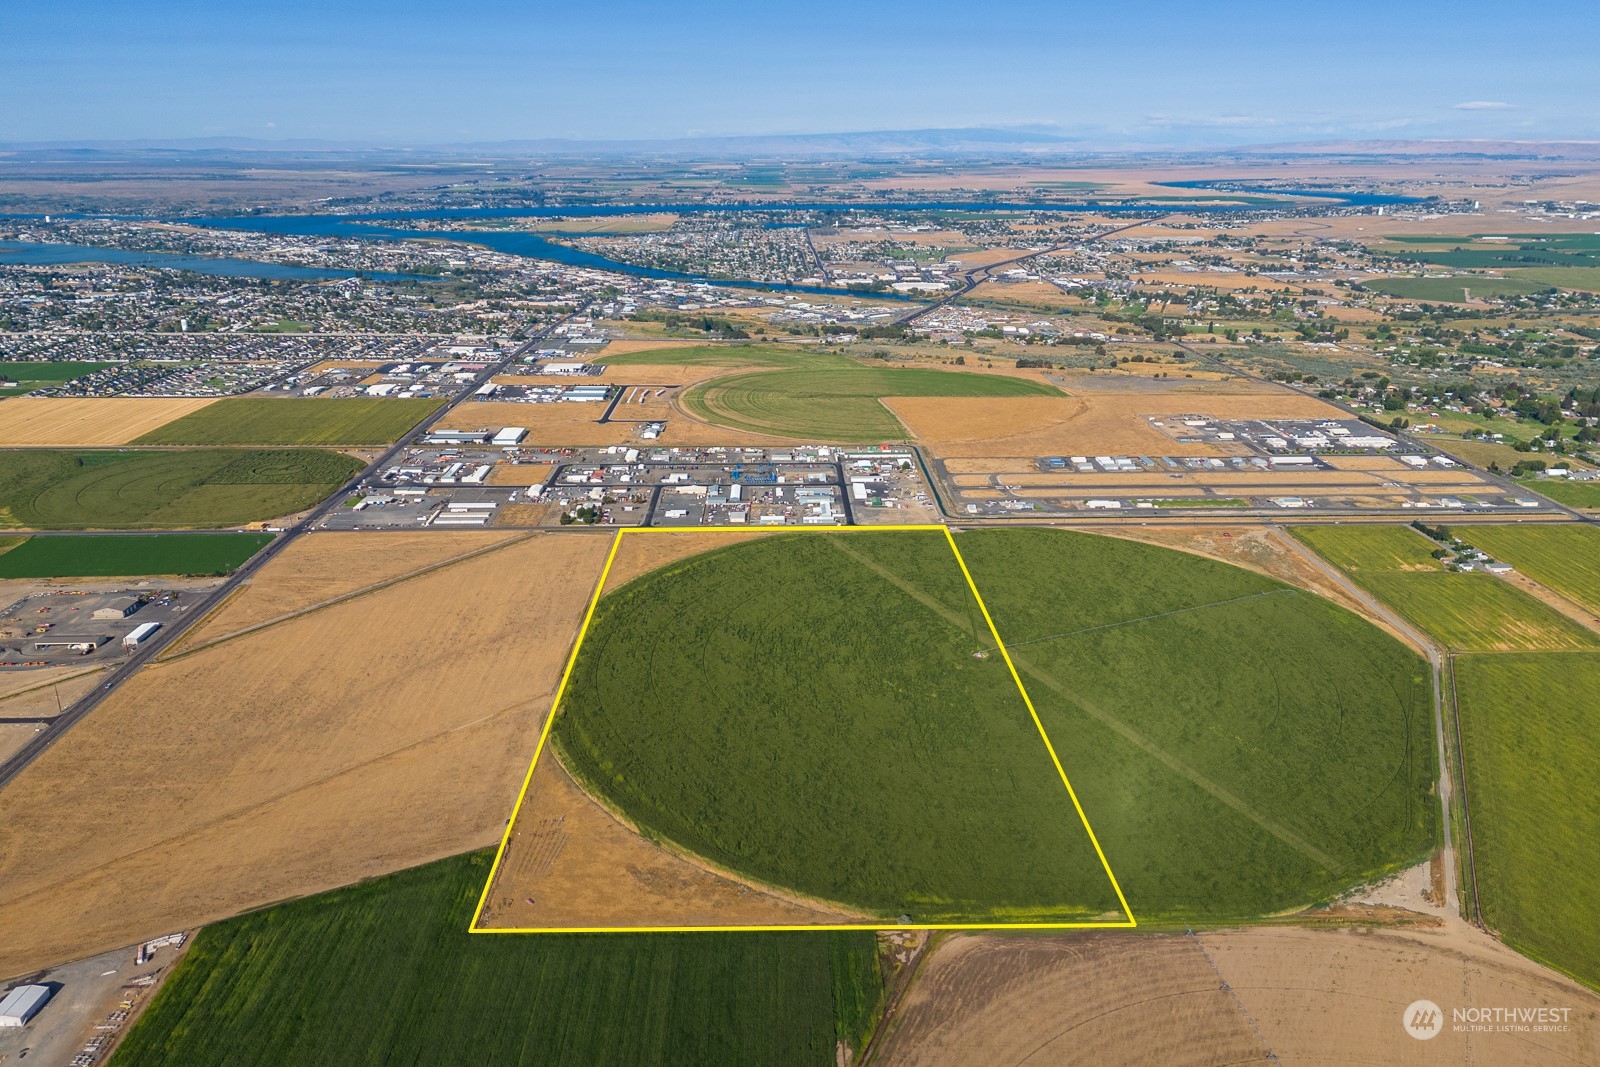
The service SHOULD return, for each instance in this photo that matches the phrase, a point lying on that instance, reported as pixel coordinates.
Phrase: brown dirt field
(1100, 999)
(1307, 996)
(1041, 294)
(321, 566)
(571, 864)
(511, 515)
(36, 692)
(547, 424)
(519, 473)
(1096, 423)
(1458, 476)
(1032, 426)
(1365, 463)
(293, 760)
(37, 422)
(1336, 996)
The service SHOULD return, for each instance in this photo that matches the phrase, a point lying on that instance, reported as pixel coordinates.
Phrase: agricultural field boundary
(1125, 923)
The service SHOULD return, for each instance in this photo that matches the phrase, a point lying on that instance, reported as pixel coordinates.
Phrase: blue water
(32, 254)
(533, 246)
(1226, 185)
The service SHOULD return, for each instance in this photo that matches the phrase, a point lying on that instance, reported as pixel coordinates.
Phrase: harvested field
(1336, 997)
(1086, 424)
(520, 473)
(322, 566)
(293, 760)
(1068, 1000)
(1315, 996)
(37, 422)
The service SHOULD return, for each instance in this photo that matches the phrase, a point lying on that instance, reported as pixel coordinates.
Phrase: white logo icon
(1422, 1019)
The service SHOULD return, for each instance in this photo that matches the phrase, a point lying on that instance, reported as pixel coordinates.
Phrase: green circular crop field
(827, 713)
(837, 403)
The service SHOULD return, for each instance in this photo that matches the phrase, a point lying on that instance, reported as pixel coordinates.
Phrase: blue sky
(1155, 72)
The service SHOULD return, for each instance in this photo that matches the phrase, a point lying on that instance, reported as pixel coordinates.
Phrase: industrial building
(139, 634)
(22, 1004)
(117, 608)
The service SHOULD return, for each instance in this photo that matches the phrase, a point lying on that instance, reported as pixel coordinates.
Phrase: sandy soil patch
(519, 473)
(37, 422)
(319, 567)
(571, 864)
(355, 740)
(1308, 996)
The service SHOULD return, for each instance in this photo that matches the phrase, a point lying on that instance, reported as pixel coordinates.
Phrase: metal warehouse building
(22, 1004)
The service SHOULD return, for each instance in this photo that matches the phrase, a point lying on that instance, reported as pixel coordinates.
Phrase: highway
(41, 742)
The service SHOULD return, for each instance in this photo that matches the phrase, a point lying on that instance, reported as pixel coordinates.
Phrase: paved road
(152, 648)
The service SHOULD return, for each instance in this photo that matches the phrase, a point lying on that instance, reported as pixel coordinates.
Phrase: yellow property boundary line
(566, 675)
